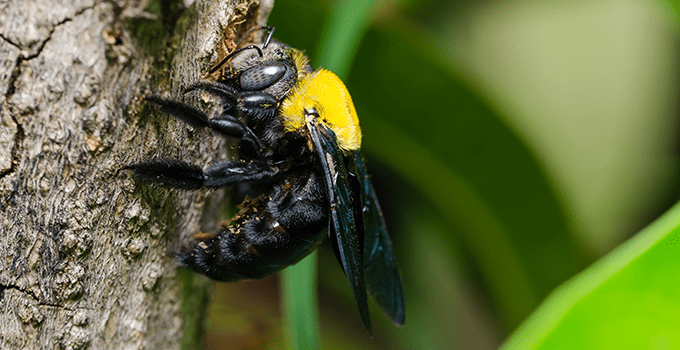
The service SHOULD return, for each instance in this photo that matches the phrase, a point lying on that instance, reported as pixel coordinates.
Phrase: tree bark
(86, 251)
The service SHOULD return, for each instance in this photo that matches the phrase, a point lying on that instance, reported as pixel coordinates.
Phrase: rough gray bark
(86, 252)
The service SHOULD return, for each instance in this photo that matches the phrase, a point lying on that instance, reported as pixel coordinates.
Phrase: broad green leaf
(628, 300)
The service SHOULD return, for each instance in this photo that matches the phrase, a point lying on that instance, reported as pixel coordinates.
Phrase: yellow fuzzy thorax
(324, 92)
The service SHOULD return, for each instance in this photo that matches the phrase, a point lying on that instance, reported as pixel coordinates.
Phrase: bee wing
(342, 229)
(380, 269)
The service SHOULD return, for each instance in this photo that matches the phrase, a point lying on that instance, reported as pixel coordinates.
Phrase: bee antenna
(224, 60)
(250, 47)
(269, 36)
(254, 29)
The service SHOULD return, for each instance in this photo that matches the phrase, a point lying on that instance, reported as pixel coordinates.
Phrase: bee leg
(178, 174)
(182, 111)
(228, 173)
(231, 126)
(172, 173)
(224, 91)
(256, 104)
(225, 124)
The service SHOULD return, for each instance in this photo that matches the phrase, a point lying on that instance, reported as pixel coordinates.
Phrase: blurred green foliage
(484, 223)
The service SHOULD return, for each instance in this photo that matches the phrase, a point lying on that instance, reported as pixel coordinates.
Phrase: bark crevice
(35, 298)
(19, 135)
(10, 41)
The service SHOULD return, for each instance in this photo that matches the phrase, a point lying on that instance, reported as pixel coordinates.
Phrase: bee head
(272, 68)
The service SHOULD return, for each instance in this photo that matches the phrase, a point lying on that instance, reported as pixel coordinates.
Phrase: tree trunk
(86, 251)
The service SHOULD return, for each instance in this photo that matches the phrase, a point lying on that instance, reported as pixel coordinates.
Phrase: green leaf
(628, 300)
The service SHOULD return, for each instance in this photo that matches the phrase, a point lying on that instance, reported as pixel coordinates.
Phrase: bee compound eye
(261, 77)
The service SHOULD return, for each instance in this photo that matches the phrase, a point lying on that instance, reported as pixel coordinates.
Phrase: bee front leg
(225, 124)
(258, 104)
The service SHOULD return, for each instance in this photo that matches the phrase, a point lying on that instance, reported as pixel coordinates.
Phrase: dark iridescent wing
(342, 229)
(380, 269)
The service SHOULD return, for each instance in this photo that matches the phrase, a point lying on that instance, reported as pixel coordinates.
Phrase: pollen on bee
(203, 235)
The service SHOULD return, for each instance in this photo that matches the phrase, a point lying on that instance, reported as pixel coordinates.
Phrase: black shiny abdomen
(268, 234)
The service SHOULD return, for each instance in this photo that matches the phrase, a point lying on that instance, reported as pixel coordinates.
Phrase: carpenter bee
(299, 141)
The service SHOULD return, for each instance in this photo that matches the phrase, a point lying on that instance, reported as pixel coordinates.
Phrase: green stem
(300, 306)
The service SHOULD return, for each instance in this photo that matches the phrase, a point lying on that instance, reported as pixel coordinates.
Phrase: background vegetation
(513, 144)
